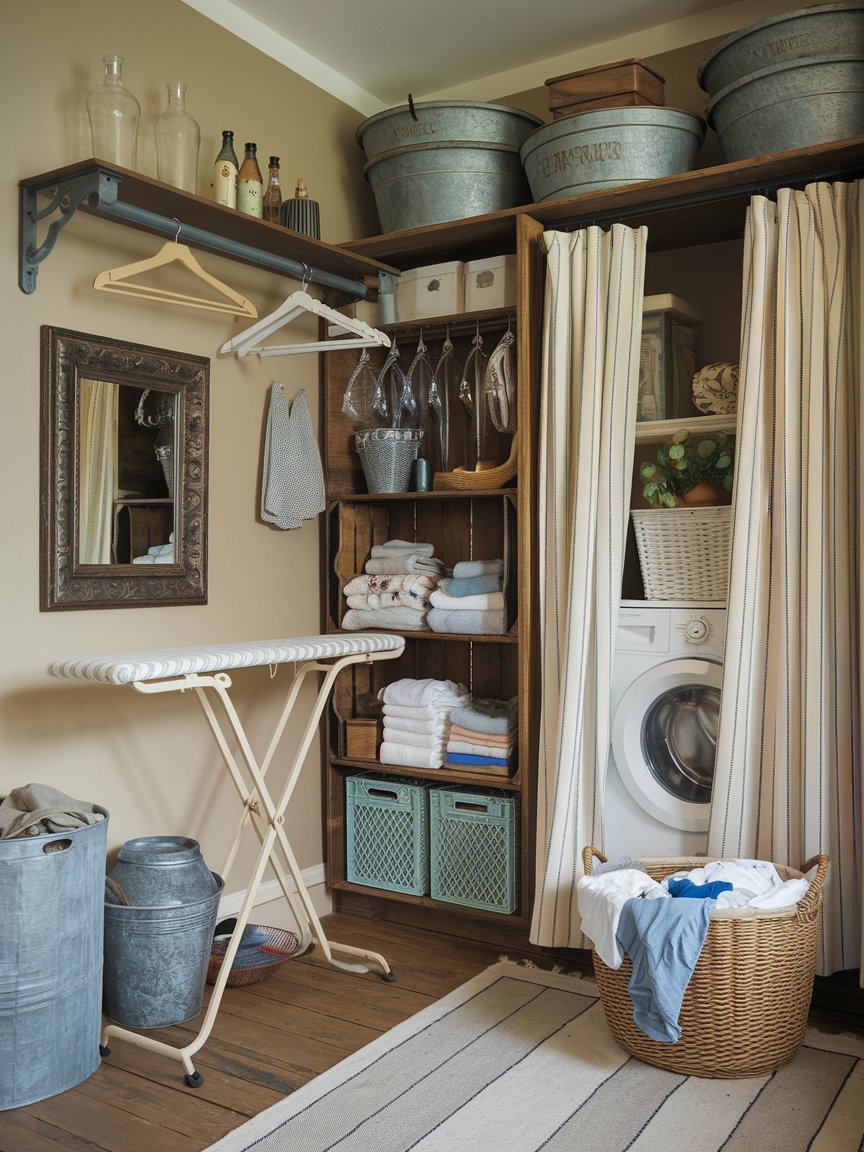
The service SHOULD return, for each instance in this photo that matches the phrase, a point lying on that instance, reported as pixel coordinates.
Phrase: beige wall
(150, 760)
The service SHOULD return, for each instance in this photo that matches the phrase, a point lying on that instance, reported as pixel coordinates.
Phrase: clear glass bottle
(250, 186)
(272, 201)
(178, 139)
(225, 173)
(114, 114)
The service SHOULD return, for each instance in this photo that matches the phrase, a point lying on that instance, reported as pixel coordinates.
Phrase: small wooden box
(361, 739)
(624, 84)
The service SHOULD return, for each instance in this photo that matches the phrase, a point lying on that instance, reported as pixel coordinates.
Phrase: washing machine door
(664, 740)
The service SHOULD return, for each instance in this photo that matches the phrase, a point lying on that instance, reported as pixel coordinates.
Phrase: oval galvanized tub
(51, 912)
(791, 105)
(826, 30)
(607, 147)
(444, 160)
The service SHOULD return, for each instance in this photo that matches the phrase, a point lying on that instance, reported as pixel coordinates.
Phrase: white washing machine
(665, 708)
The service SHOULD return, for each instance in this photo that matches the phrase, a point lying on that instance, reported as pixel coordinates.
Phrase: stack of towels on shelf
(471, 600)
(417, 720)
(482, 734)
(394, 591)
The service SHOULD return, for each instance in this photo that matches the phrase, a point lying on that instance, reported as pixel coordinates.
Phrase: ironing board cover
(159, 663)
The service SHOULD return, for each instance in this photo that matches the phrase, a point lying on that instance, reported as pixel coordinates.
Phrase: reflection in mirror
(124, 471)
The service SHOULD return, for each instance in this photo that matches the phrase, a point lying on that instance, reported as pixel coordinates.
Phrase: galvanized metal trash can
(51, 909)
(156, 960)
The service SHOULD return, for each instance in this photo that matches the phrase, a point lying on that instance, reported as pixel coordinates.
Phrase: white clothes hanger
(119, 280)
(251, 340)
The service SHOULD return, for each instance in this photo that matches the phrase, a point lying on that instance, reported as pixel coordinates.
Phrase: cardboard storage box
(435, 290)
(490, 283)
(624, 84)
(668, 358)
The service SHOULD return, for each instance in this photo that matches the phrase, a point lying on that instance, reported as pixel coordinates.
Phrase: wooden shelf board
(423, 901)
(433, 775)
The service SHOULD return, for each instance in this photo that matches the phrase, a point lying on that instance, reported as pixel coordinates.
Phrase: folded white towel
(435, 727)
(393, 619)
(391, 546)
(467, 623)
(416, 582)
(477, 568)
(433, 740)
(481, 602)
(411, 711)
(388, 600)
(425, 693)
(601, 899)
(404, 563)
(411, 757)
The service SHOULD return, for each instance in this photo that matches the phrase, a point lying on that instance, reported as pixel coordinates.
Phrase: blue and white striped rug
(520, 1059)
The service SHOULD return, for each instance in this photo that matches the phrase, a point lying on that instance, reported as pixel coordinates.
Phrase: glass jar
(178, 139)
(114, 114)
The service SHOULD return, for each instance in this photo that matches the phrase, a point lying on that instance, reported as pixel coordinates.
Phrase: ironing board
(202, 671)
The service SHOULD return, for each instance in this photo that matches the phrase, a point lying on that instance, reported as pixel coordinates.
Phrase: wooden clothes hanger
(172, 252)
(295, 305)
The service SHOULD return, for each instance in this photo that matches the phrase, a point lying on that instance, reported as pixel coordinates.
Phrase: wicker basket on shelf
(684, 552)
(745, 1008)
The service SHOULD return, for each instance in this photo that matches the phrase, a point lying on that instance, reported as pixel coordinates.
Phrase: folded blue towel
(685, 888)
(465, 758)
(464, 568)
(471, 585)
(663, 939)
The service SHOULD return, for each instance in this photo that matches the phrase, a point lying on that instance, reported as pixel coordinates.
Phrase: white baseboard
(314, 878)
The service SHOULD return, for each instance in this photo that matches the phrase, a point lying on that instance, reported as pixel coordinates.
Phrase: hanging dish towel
(292, 484)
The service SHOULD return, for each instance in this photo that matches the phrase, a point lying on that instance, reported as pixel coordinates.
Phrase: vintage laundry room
(431, 674)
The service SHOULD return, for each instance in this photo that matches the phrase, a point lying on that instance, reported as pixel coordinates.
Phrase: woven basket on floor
(253, 964)
(745, 1009)
(684, 552)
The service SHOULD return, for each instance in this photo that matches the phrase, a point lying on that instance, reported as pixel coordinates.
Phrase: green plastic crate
(387, 832)
(474, 855)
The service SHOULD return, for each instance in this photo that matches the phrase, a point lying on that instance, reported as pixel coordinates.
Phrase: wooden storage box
(362, 738)
(624, 84)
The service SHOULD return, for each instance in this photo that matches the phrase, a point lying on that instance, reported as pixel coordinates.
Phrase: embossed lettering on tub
(581, 155)
(420, 128)
(774, 49)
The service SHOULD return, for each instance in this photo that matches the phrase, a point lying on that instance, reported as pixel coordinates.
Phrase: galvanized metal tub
(50, 961)
(156, 961)
(791, 105)
(608, 147)
(444, 160)
(161, 871)
(825, 30)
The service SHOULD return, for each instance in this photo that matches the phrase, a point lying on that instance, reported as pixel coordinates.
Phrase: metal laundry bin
(51, 905)
(156, 960)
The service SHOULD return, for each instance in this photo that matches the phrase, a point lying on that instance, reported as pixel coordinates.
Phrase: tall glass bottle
(273, 193)
(178, 139)
(250, 186)
(114, 114)
(225, 173)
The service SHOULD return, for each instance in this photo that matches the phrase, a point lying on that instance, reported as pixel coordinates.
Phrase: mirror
(124, 434)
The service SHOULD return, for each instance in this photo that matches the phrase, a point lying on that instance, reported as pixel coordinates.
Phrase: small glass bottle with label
(250, 186)
(225, 173)
(273, 193)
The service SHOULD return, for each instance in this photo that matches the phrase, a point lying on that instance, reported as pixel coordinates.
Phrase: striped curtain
(592, 326)
(97, 482)
(787, 774)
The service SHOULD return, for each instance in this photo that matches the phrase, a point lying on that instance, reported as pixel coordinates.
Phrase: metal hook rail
(96, 188)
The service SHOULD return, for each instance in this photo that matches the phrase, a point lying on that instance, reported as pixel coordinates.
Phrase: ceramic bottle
(250, 186)
(225, 172)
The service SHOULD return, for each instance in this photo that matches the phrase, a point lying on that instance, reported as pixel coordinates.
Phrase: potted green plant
(689, 470)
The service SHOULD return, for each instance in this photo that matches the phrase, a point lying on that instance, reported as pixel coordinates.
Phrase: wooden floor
(268, 1039)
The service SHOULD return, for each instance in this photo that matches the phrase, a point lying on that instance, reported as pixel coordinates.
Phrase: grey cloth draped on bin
(39, 809)
(292, 484)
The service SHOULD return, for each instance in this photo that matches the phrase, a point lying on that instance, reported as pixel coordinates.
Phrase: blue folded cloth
(663, 939)
(471, 585)
(465, 758)
(687, 889)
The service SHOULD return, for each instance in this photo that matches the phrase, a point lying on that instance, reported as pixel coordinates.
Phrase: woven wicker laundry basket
(744, 1011)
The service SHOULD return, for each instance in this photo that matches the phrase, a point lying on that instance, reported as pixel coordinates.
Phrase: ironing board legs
(267, 817)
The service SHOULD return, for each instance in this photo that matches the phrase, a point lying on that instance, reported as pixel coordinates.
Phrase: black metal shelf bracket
(100, 189)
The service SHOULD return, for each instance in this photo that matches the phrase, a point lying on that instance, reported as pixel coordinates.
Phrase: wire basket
(261, 952)
(744, 1011)
(387, 456)
(684, 552)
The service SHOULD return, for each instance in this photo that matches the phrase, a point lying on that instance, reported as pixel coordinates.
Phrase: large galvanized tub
(826, 30)
(791, 105)
(161, 871)
(608, 147)
(444, 160)
(51, 903)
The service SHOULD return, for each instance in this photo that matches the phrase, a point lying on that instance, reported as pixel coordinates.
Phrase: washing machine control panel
(696, 630)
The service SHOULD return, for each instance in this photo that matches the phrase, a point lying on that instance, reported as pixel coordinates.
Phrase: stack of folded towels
(471, 601)
(417, 720)
(482, 734)
(395, 589)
